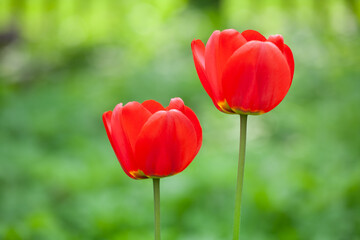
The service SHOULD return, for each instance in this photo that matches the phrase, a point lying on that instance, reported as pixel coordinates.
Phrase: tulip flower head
(151, 141)
(244, 73)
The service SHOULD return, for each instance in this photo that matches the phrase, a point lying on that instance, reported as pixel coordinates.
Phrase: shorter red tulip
(151, 141)
(244, 73)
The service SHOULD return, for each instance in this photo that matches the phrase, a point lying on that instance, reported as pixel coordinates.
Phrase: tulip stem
(156, 184)
(240, 176)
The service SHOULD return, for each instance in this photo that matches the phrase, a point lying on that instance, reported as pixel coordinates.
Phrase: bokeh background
(65, 62)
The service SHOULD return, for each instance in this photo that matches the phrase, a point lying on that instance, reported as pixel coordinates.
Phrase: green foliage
(64, 63)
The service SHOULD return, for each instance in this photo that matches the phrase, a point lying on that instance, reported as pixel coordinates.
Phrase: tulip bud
(244, 73)
(151, 141)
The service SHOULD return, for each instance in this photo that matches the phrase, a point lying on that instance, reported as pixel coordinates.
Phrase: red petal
(166, 144)
(257, 78)
(278, 40)
(152, 106)
(134, 116)
(198, 50)
(251, 35)
(290, 59)
(230, 40)
(195, 121)
(176, 103)
(219, 49)
(107, 123)
(212, 65)
(118, 140)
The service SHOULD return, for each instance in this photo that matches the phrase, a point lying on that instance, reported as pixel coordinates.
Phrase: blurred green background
(65, 62)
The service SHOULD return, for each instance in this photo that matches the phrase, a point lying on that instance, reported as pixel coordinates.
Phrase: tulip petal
(107, 123)
(198, 50)
(251, 35)
(195, 121)
(219, 48)
(290, 59)
(134, 116)
(211, 65)
(176, 103)
(278, 40)
(118, 140)
(256, 79)
(166, 144)
(152, 106)
(229, 41)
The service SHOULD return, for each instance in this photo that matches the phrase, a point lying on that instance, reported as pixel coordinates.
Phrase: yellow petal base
(224, 106)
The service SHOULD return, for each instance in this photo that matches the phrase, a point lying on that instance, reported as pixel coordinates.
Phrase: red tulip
(244, 73)
(151, 141)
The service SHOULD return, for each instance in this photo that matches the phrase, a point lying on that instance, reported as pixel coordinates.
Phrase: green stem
(156, 183)
(240, 176)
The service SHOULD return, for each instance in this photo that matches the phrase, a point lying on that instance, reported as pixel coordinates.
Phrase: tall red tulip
(151, 141)
(244, 73)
